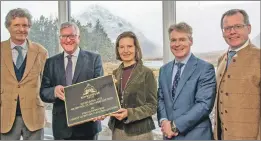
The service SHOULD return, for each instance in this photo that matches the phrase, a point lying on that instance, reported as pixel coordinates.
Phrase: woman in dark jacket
(137, 89)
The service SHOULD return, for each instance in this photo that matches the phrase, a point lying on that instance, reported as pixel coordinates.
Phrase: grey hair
(70, 24)
(18, 12)
(232, 12)
(182, 27)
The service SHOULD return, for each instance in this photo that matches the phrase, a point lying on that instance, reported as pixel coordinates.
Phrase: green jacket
(140, 99)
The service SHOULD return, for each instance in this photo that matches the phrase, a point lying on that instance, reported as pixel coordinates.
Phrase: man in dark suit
(186, 92)
(72, 66)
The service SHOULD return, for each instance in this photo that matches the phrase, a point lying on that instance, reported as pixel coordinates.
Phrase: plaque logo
(89, 91)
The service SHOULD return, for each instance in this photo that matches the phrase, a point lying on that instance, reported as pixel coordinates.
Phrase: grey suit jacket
(88, 66)
(194, 99)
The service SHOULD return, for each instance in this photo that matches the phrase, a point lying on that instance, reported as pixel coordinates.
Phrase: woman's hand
(120, 114)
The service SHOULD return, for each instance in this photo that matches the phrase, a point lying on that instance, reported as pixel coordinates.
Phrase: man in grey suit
(186, 92)
(72, 66)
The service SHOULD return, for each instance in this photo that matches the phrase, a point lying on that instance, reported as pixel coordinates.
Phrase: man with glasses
(237, 106)
(72, 66)
(22, 64)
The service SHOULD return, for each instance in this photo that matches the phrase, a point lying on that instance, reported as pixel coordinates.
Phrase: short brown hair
(20, 13)
(182, 27)
(232, 12)
(130, 34)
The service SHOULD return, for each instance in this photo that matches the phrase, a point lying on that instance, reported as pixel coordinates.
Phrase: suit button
(225, 111)
(220, 102)
(15, 99)
(226, 129)
(228, 76)
(226, 94)
(18, 86)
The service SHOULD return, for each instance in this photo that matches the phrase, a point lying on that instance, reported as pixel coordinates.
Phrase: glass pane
(205, 16)
(105, 20)
(44, 28)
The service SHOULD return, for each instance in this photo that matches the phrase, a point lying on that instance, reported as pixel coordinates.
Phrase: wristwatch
(173, 127)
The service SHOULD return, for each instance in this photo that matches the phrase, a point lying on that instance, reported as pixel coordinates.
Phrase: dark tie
(230, 56)
(69, 71)
(176, 79)
(20, 57)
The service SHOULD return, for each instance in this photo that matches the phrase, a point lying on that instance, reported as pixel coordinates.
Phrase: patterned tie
(20, 58)
(68, 71)
(176, 79)
(230, 56)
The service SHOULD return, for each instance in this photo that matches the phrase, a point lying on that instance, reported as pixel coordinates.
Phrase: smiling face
(235, 31)
(19, 29)
(180, 44)
(127, 49)
(69, 39)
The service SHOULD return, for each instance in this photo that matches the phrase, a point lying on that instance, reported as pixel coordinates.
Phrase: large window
(45, 17)
(102, 21)
(205, 16)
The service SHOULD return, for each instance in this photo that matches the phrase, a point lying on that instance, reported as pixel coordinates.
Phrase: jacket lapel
(82, 59)
(187, 72)
(31, 56)
(6, 53)
(169, 72)
(61, 69)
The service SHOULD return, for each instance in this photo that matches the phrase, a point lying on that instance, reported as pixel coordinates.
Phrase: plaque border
(87, 120)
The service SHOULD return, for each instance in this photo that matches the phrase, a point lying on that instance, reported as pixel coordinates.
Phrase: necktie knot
(180, 65)
(18, 48)
(69, 57)
(231, 53)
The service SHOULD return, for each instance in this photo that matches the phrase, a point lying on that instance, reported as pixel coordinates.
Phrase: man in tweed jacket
(237, 103)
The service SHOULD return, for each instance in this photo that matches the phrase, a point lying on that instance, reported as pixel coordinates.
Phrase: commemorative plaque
(89, 99)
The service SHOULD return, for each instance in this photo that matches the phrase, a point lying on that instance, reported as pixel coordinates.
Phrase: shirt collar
(23, 45)
(184, 61)
(75, 54)
(239, 48)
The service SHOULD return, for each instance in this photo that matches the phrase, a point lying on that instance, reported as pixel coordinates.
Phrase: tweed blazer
(32, 107)
(238, 95)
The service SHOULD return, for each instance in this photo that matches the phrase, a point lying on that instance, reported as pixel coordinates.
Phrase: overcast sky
(144, 15)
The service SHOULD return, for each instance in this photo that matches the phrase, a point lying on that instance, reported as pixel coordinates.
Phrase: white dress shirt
(74, 59)
(15, 52)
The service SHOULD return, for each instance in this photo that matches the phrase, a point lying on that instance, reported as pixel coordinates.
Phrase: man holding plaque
(72, 66)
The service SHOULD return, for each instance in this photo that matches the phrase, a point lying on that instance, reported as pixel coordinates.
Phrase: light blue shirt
(175, 67)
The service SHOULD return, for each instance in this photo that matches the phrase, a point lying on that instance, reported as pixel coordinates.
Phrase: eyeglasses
(236, 27)
(71, 37)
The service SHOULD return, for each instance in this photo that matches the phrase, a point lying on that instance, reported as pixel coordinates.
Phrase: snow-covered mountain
(114, 25)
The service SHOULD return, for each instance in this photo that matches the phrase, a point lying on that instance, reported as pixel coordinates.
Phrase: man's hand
(120, 114)
(166, 129)
(59, 92)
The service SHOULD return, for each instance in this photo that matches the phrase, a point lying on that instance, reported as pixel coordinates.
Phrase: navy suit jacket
(88, 66)
(194, 99)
